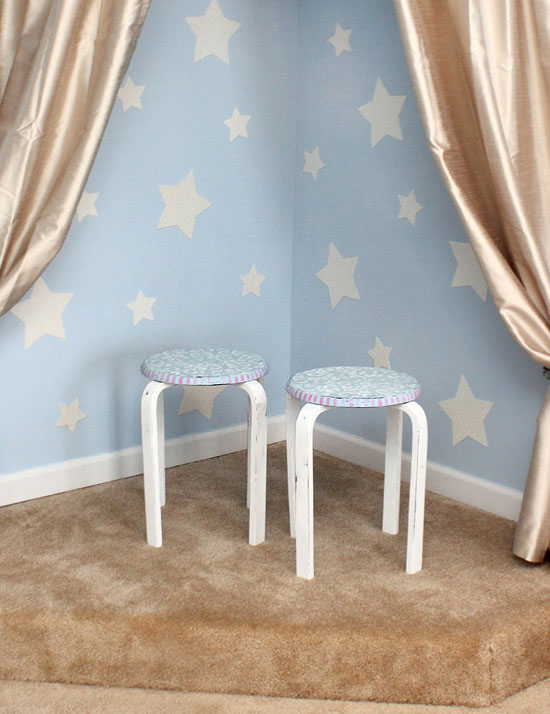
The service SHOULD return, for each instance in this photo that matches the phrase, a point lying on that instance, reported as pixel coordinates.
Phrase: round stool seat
(204, 366)
(354, 387)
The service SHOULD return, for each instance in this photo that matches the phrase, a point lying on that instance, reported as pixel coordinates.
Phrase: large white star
(383, 113)
(86, 206)
(71, 414)
(182, 205)
(200, 398)
(313, 162)
(338, 276)
(252, 282)
(340, 40)
(213, 32)
(42, 313)
(468, 272)
(237, 124)
(409, 207)
(380, 354)
(467, 414)
(142, 307)
(130, 95)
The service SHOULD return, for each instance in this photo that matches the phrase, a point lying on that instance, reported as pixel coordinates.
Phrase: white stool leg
(249, 450)
(152, 459)
(293, 407)
(304, 488)
(392, 470)
(161, 448)
(257, 457)
(415, 536)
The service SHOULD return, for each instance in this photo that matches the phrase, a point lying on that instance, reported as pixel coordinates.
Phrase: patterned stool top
(354, 387)
(204, 366)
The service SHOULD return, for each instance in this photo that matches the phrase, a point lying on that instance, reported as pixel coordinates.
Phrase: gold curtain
(481, 70)
(61, 64)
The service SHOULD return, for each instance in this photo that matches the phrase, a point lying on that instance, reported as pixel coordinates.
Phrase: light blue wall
(404, 272)
(266, 211)
(108, 258)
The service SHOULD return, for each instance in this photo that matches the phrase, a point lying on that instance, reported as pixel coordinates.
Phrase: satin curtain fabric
(481, 70)
(61, 64)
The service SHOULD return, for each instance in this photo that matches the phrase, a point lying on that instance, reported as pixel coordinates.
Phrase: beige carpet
(84, 600)
(30, 697)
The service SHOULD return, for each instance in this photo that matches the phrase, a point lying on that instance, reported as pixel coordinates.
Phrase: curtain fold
(61, 64)
(481, 70)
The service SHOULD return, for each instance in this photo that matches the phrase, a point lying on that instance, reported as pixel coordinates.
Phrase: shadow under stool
(207, 367)
(352, 387)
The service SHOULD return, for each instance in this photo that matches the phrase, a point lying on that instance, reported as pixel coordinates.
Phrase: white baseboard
(93, 470)
(471, 490)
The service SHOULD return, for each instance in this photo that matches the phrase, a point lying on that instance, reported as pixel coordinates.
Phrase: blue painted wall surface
(404, 272)
(266, 211)
(108, 258)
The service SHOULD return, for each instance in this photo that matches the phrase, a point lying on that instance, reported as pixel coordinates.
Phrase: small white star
(383, 113)
(213, 32)
(338, 276)
(380, 354)
(467, 414)
(182, 205)
(42, 313)
(313, 162)
(71, 414)
(340, 40)
(130, 95)
(200, 398)
(237, 124)
(86, 206)
(468, 272)
(142, 307)
(252, 282)
(409, 207)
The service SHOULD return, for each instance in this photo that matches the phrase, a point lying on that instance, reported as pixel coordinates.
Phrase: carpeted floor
(35, 698)
(84, 600)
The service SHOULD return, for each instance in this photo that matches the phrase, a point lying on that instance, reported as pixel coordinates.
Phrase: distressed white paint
(417, 490)
(304, 488)
(392, 470)
(257, 459)
(152, 434)
(293, 407)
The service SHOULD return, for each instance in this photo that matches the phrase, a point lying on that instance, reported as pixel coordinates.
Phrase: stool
(328, 387)
(199, 366)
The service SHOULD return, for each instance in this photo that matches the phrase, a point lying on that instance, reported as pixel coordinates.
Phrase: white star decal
(142, 307)
(313, 162)
(213, 32)
(130, 95)
(383, 113)
(42, 313)
(409, 207)
(86, 206)
(237, 124)
(182, 205)
(252, 282)
(200, 398)
(71, 414)
(380, 354)
(338, 276)
(467, 414)
(340, 40)
(468, 272)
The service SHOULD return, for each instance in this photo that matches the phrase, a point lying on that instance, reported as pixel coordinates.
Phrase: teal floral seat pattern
(199, 365)
(354, 387)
